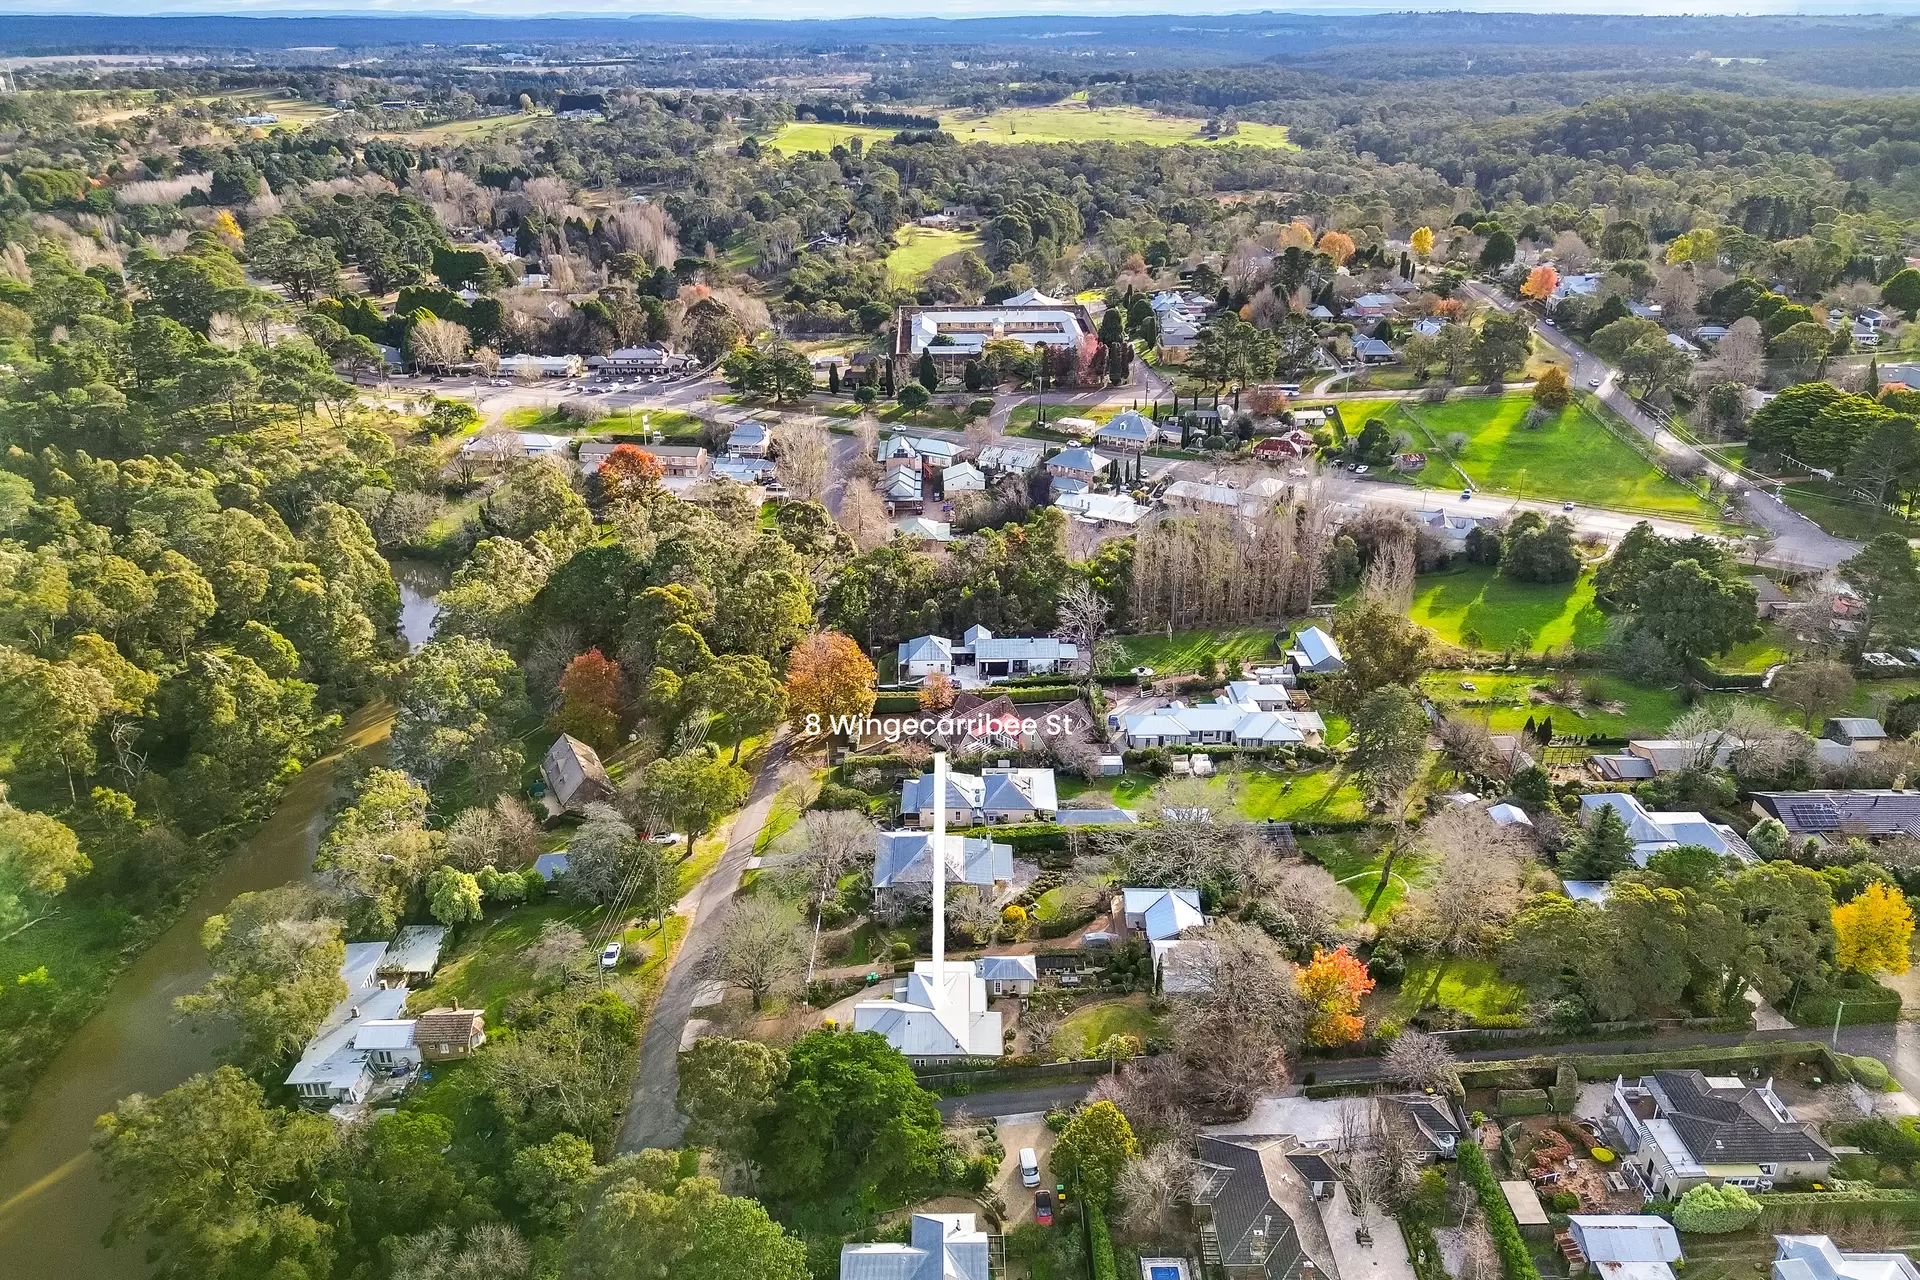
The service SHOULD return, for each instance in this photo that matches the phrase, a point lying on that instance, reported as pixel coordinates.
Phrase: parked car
(1566, 506)
(667, 837)
(1594, 383)
(611, 956)
(1043, 1208)
(1029, 1168)
(1466, 495)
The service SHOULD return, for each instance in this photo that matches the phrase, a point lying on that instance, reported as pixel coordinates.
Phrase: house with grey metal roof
(1078, 463)
(1010, 456)
(574, 775)
(750, 440)
(1836, 815)
(1653, 831)
(414, 952)
(1315, 651)
(332, 1069)
(1008, 975)
(1863, 733)
(1625, 1246)
(1161, 914)
(903, 866)
(922, 656)
(997, 657)
(1817, 1258)
(940, 1246)
(1678, 1129)
(1243, 1229)
(990, 796)
(1130, 429)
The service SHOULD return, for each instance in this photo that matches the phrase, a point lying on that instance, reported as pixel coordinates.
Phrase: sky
(787, 9)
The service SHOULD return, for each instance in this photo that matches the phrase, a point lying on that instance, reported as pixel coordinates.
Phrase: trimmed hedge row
(1515, 1261)
(1565, 1093)
(1522, 1102)
(1102, 1251)
(1805, 1208)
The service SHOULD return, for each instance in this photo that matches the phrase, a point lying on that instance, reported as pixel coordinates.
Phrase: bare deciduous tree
(1153, 1186)
(490, 1251)
(1233, 1037)
(1420, 1061)
(438, 344)
(502, 834)
(972, 911)
(558, 946)
(803, 462)
(1082, 614)
(821, 848)
(758, 948)
(864, 515)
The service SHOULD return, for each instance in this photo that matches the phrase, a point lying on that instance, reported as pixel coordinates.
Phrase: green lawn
(1499, 609)
(797, 135)
(1473, 985)
(1321, 795)
(917, 249)
(1189, 650)
(1089, 1026)
(487, 968)
(1774, 645)
(1505, 703)
(935, 417)
(1359, 871)
(1570, 457)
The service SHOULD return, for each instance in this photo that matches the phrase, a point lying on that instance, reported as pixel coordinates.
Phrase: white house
(492, 445)
(333, 1069)
(991, 796)
(1315, 651)
(962, 477)
(1816, 1258)
(903, 863)
(941, 1246)
(1652, 832)
(524, 366)
(1101, 508)
(750, 440)
(1009, 975)
(1162, 914)
(922, 656)
(1247, 715)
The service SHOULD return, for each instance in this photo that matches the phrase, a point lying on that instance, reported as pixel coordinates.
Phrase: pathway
(653, 1115)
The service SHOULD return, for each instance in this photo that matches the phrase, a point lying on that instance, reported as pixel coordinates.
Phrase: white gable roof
(1164, 913)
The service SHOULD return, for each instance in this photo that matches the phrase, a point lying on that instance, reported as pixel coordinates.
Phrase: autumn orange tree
(1551, 390)
(936, 692)
(1541, 282)
(827, 676)
(591, 696)
(1873, 931)
(628, 473)
(1333, 984)
(1337, 245)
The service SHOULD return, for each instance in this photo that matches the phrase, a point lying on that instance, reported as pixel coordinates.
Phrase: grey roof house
(1678, 1129)
(1315, 651)
(993, 795)
(1241, 1224)
(1654, 831)
(941, 1246)
(1842, 813)
(574, 775)
(1625, 1246)
(1129, 429)
(903, 864)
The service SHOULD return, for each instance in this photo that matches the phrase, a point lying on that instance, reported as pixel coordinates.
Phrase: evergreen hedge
(1515, 1261)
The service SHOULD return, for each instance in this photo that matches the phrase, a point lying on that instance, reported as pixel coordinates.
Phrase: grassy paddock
(1185, 651)
(1062, 122)
(1507, 702)
(917, 249)
(1481, 599)
(1571, 456)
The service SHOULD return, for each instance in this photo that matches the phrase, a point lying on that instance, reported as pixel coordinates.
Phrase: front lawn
(1502, 610)
(1089, 1026)
(1189, 651)
(1838, 512)
(1571, 456)
(1321, 795)
(488, 966)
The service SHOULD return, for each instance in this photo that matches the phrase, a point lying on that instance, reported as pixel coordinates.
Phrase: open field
(1318, 795)
(294, 113)
(1500, 610)
(1473, 985)
(1185, 651)
(1062, 122)
(1607, 706)
(467, 130)
(918, 248)
(1569, 457)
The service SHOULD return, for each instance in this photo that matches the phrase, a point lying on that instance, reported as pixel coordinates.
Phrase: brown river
(54, 1207)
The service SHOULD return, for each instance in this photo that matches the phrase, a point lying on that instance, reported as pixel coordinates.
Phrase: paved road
(653, 1118)
(1017, 1102)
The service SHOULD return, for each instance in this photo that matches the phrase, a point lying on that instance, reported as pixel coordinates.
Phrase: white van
(1029, 1168)
(611, 956)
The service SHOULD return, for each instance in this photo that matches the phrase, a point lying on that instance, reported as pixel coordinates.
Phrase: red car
(1043, 1208)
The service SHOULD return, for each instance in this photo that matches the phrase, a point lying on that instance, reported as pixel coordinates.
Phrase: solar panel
(1814, 815)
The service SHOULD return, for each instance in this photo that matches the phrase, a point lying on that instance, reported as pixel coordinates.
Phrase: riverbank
(52, 1203)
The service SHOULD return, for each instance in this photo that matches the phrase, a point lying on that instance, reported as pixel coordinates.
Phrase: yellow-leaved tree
(1873, 931)
(1337, 245)
(1422, 241)
(828, 679)
(1541, 282)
